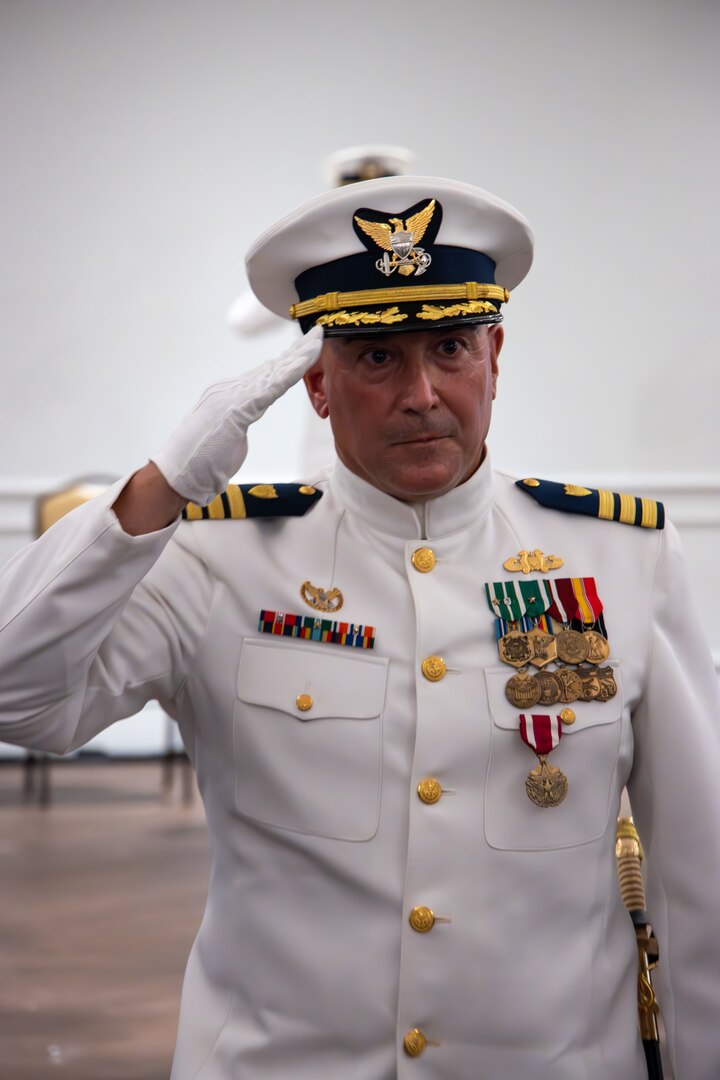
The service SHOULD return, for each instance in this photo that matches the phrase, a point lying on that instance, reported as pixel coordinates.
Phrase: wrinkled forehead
(394, 255)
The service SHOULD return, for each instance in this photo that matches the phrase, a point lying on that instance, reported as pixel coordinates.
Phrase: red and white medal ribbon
(541, 733)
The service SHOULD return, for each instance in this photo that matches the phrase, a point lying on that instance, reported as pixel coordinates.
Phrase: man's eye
(377, 356)
(450, 346)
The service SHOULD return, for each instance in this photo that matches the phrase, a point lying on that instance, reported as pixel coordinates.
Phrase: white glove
(211, 443)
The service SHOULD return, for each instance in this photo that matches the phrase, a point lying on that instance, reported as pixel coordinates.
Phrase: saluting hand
(211, 443)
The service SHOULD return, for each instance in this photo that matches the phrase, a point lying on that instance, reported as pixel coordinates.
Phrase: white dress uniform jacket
(306, 964)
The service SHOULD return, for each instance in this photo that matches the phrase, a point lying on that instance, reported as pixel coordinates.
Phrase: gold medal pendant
(589, 684)
(546, 785)
(608, 686)
(544, 649)
(522, 691)
(570, 685)
(515, 648)
(571, 646)
(598, 647)
(550, 687)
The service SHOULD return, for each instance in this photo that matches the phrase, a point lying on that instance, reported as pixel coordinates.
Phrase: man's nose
(418, 393)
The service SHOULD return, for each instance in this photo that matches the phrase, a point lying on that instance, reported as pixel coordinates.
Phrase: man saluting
(413, 688)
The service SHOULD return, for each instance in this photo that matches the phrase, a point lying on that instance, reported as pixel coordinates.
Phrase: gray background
(145, 145)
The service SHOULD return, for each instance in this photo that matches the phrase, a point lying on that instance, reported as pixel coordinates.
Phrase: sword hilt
(629, 856)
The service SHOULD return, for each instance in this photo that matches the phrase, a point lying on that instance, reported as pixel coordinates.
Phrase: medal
(570, 685)
(515, 649)
(608, 686)
(598, 647)
(546, 785)
(543, 646)
(571, 646)
(522, 691)
(589, 685)
(549, 687)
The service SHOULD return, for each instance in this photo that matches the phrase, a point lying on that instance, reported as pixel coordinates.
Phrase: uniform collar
(459, 509)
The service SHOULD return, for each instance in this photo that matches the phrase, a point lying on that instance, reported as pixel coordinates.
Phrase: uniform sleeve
(93, 624)
(675, 797)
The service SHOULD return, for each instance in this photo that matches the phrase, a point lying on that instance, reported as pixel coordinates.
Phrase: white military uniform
(306, 964)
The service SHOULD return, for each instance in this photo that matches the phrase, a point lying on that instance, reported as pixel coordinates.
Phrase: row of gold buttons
(429, 791)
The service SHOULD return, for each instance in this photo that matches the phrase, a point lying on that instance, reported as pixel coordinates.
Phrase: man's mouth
(420, 439)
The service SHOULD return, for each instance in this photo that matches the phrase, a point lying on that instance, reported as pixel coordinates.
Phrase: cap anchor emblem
(401, 239)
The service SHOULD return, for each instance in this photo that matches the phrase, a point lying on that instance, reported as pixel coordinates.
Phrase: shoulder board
(608, 505)
(255, 500)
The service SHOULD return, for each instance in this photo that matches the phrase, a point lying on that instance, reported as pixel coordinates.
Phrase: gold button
(422, 919)
(429, 789)
(414, 1042)
(568, 716)
(304, 702)
(306, 489)
(531, 482)
(423, 559)
(434, 668)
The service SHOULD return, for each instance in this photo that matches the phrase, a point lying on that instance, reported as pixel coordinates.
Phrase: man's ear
(314, 380)
(496, 336)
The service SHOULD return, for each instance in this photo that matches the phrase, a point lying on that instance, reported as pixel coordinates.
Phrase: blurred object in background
(51, 507)
(356, 163)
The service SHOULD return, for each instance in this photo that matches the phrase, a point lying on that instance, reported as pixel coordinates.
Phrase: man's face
(409, 411)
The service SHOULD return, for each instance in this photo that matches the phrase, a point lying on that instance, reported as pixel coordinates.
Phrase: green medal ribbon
(537, 597)
(503, 600)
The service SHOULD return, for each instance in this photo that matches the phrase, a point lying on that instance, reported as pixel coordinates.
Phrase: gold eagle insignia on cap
(402, 240)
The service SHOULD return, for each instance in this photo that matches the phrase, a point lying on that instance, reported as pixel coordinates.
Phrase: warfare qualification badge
(399, 239)
(321, 599)
(527, 561)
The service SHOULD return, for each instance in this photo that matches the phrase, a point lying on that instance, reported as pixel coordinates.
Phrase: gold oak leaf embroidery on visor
(361, 318)
(473, 307)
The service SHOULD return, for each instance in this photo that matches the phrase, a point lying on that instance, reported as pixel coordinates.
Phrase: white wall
(145, 145)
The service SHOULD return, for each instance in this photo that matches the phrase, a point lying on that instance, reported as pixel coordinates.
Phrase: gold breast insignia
(527, 561)
(321, 599)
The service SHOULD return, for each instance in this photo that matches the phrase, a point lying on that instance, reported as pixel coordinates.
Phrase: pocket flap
(276, 674)
(587, 713)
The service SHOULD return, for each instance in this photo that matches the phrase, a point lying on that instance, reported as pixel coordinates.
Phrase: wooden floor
(102, 894)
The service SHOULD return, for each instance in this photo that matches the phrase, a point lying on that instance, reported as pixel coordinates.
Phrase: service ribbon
(537, 596)
(565, 605)
(503, 600)
(286, 624)
(541, 733)
(512, 600)
(589, 604)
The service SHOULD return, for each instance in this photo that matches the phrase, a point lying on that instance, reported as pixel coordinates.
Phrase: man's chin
(418, 484)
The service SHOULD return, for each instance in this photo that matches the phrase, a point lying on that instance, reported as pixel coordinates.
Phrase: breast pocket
(307, 739)
(588, 756)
